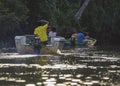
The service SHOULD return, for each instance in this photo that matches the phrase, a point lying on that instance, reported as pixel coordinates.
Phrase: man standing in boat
(40, 33)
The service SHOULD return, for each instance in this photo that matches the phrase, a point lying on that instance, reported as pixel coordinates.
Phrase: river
(96, 66)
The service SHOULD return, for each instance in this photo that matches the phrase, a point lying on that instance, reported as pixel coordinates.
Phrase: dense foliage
(101, 18)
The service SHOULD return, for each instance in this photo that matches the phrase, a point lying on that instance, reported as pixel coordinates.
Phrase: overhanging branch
(81, 10)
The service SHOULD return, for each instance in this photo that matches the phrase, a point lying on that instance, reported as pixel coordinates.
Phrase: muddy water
(99, 66)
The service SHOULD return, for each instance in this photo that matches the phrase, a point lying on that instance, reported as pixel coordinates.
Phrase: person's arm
(45, 21)
(45, 26)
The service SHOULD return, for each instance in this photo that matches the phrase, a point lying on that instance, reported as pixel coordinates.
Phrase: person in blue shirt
(80, 37)
(84, 39)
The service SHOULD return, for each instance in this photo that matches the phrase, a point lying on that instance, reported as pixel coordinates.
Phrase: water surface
(98, 66)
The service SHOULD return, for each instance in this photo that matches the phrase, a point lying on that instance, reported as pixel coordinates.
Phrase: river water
(96, 66)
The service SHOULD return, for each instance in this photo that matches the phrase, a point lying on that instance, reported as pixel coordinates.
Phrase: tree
(81, 10)
(12, 13)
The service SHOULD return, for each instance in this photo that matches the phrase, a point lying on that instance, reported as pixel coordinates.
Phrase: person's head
(54, 29)
(74, 35)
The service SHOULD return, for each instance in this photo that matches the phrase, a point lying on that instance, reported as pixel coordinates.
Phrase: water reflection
(87, 67)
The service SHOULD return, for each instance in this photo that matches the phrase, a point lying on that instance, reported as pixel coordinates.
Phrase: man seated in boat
(85, 39)
(73, 40)
(52, 33)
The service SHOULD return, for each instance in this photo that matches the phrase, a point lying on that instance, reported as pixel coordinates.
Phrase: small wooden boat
(25, 45)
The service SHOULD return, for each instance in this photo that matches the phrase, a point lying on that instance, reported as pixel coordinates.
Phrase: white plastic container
(22, 46)
(58, 42)
(19, 42)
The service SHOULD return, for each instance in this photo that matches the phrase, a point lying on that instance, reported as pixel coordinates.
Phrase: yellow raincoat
(41, 32)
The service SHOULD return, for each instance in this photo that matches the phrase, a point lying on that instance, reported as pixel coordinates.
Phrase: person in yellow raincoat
(40, 33)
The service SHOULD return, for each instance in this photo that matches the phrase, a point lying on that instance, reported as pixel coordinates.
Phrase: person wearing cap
(40, 33)
(80, 37)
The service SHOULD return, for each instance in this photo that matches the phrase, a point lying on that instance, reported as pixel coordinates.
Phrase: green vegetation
(100, 18)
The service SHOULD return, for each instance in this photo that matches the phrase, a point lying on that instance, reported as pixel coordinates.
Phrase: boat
(25, 45)
(90, 43)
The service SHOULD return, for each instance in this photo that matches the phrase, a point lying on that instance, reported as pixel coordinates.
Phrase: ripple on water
(74, 70)
(30, 85)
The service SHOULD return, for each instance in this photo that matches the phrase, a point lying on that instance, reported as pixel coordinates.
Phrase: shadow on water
(99, 66)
